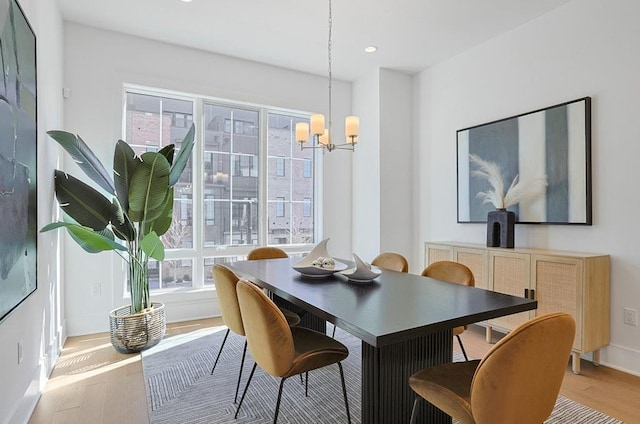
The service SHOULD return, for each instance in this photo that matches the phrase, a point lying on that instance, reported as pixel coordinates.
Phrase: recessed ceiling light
(370, 49)
(186, 1)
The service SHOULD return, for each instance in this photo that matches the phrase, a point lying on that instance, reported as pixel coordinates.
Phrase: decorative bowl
(308, 266)
(362, 272)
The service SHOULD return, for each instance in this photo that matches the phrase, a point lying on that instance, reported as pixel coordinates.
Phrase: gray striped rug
(181, 390)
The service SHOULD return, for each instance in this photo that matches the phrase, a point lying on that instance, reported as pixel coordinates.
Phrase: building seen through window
(234, 202)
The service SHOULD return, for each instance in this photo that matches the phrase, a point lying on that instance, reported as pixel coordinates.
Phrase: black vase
(500, 228)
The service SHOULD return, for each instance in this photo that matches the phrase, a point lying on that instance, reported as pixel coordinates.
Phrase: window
(280, 206)
(306, 207)
(228, 199)
(306, 169)
(279, 167)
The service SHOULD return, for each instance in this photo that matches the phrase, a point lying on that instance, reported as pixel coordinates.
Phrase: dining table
(404, 322)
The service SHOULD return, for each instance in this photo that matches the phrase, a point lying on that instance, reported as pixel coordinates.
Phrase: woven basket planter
(132, 333)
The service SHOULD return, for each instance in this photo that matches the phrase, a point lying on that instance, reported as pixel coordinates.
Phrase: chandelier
(322, 136)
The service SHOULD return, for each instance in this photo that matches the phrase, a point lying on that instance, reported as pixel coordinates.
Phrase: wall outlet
(20, 353)
(96, 289)
(630, 316)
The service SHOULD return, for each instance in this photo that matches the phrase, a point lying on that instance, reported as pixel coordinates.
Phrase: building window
(306, 207)
(223, 191)
(306, 169)
(280, 167)
(280, 207)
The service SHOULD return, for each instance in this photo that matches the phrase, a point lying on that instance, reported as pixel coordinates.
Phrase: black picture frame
(552, 143)
(18, 158)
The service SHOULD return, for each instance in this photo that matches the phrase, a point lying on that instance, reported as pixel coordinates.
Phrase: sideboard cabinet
(571, 282)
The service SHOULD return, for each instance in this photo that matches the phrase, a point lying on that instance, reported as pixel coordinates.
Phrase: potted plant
(130, 223)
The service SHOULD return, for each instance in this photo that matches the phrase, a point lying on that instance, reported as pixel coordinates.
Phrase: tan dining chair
(517, 381)
(225, 281)
(452, 272)
(392, 261)
(266, 252)
(280, 350)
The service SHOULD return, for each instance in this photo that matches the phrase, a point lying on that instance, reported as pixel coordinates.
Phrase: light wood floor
(92, 383)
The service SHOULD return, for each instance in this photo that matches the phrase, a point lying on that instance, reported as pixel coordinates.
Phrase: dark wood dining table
(405, 322)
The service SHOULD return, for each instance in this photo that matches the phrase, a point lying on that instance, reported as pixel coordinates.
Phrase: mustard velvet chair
(392, 261)
(452, 272)
(517, 381)
(266, 252)
(225, 281)
(280, 350)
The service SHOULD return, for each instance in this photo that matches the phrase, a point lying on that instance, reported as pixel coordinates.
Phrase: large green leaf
(121, 224)
(152, 246)
(125, 162)
(168, 152)
(148, 188)
(82, 202)
(183, 156)
(162, 223)
(85, 158)
(89, 240)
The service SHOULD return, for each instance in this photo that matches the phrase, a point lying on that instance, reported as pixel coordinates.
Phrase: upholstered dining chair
(266, 252)
(517, 381)
(280, 350)
(392, 261)
(452, 272)
(225, 281)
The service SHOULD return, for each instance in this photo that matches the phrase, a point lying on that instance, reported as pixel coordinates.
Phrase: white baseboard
(621, 358)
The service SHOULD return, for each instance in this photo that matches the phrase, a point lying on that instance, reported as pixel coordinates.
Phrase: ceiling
(411, 35)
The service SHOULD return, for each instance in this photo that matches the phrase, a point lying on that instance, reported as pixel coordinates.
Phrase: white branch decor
(517, 192)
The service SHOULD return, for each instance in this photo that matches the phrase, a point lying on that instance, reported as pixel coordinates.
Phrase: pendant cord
(330, 74)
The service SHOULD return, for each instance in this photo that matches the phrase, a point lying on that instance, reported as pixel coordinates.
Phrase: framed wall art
(553, 143)
(18, 167)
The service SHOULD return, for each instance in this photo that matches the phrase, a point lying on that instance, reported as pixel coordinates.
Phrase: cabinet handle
(526, 293)
(533, 294)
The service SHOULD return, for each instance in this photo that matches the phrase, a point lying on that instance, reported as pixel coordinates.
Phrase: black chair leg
(414, 411)
(462, 347)
(344, 392)
(244, 352)
(306, 386)
(245, 389)
(333, 335)
(220, 351)
(275, 415)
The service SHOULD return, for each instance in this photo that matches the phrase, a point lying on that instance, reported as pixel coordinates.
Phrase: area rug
(180, 388)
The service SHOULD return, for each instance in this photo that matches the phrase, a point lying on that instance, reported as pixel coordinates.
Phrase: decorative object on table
(319, 263)
(554, 141)
(362, 272)
(140, 212)
(18, 157)
(501, 222)
(324, 137)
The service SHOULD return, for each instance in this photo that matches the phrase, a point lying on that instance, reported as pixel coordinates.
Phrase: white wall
(382, 194)
(98, 63)
(37, 321)
(585, 48)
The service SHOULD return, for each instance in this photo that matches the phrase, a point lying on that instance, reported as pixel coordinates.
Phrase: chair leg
(333, 335)
(344, 392)
(414, 411)
(220, 351)
(306, 385)
(245, 389)
(244, 353)
(275, 415)
(462, 347)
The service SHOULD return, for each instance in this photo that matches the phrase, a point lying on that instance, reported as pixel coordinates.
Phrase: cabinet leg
(488, 334)
(575, 362)
(596, 357)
